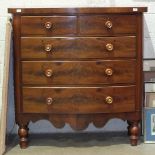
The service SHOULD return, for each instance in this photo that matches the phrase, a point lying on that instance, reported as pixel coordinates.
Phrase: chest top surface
(84, 10)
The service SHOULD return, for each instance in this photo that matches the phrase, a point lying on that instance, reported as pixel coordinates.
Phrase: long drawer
(48, 26)
(107, 24)
(79, 47)
(79, 100)
(78, 72)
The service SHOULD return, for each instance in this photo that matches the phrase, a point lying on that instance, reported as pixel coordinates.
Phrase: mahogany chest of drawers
(78, 66)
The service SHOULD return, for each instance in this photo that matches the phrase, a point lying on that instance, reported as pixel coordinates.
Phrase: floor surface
(81, 144)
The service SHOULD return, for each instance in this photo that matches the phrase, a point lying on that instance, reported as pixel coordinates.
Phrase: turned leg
(134, 133)
(23, 135)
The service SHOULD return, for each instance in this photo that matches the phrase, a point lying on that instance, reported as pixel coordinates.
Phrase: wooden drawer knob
(109, 71)
(108, 24)
(48, 73)
(49, 101)
(109, 100)
(48, 47)
(109, 47)
(48, 25)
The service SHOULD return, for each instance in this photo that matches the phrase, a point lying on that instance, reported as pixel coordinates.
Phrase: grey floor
(81, 144)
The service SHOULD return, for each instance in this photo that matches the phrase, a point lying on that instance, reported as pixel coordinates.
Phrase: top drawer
(107, 25)
(47, 26)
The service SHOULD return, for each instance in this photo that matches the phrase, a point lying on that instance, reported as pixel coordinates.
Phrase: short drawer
(108, 24)
(78, 72)
(83, 47)
(48, 26)
(79, 100)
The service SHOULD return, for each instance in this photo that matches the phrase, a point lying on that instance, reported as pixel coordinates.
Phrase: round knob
(109, 47)
(48, 47)
(48, 73)
(109, 71)
(49, 100)
(48, 25)
(109, 100)
(108, 24)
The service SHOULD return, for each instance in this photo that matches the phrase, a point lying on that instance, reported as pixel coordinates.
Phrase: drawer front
(79, 100)
(89, 47)
(78, 72)
(47, 26)
(108, 24)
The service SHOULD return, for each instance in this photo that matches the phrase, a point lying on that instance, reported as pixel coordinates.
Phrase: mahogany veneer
(78, 66)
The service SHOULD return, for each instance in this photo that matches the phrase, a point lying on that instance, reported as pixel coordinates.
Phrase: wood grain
(83, 10)
(61, 25)
(78, 72)
(79, 100)
(78, 121)
(67, 83)
(79, 47)
(95, 25)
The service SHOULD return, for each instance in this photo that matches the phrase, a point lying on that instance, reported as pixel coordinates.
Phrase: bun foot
(134, 133)
(23, 136)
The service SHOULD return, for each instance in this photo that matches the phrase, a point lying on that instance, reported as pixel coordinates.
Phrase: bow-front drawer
(78, 66)
(78, 72)
(79, 100)
(83, 47)
(48, 26)
(108, 25)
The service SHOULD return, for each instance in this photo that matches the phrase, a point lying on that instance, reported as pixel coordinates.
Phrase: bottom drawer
(78, 100)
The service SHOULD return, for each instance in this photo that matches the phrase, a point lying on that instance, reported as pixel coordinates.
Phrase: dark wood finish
(134, 133)
(78, 66)
(139, 67)
(17, 64)
(60, 25)
(78, 100)
(69, 11)
(78, 72)
(96, 25)
(83, 47)
(23, 134)
(79, 121)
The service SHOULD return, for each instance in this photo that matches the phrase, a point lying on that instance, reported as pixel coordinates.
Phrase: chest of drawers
(78, 66)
